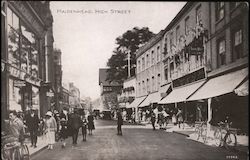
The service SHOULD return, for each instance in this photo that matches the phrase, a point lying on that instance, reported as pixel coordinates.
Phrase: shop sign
(14, 72)
(189, 78)
(18, 83)
(22, 75)
(50, 94)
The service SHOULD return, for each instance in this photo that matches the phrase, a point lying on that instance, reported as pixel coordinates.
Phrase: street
(137, 143)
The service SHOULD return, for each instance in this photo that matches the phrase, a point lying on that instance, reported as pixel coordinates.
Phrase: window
(153, 83)
(143, 87)
(158, 53)
(22, 45)
(138, 66)
(148, 86)
(220, 10)
(177, 34)
(166, 46)
(234, 5)
(221, 47)
(139, 88)
(166, 74)
(153, 57)
(143, 63)
(198, 15)
(147, 59)
(187, 25)
(237, 44)
(171, 69)
(159, 81)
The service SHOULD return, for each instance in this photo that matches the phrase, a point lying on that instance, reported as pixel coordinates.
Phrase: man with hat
(32, 122)
(74, 124)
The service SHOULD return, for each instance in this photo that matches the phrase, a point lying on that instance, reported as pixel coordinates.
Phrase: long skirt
(50, 137)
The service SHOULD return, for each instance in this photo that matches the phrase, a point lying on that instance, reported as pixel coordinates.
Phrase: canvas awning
(164, 89)
(136, 102)
(242, 90)
(151, 98)
(220, 85)
(181, 94)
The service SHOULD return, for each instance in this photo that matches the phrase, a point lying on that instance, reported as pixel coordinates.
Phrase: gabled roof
(103, 78)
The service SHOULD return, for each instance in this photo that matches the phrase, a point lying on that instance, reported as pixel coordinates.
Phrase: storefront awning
(220, 85)
(242, 90)
(152, 98)
(136, 102)
(163, 90)
(181, 94)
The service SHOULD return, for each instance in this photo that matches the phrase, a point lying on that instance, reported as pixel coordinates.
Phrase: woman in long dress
(50, 129)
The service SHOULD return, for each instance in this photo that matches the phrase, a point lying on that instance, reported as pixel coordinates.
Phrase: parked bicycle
(225, 136)
(11, 149)
(201, 130)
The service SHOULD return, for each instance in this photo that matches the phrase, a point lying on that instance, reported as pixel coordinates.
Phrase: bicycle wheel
(204, 134)
(217, 137)
(16, 155)
(24, 152)
(230, 141)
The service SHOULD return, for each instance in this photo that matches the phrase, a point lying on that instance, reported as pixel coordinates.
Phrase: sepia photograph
(124, 80)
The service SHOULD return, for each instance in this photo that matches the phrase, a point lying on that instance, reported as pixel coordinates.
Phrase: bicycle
(225, 136)
(14, 150)
(201, 130)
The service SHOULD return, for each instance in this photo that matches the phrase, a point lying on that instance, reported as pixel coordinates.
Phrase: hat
(49, 113)
(63, 119)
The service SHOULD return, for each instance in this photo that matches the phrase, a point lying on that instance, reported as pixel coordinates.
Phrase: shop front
(222, 101)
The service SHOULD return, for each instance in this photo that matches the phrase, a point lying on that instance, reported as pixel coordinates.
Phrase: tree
(129, 42)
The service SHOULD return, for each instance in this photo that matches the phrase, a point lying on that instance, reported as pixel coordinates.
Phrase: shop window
(220, 10)
(221, 50)
(187, 25)
(237, 44)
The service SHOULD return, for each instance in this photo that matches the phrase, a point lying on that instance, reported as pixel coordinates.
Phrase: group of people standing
(54, 126)
(69, 125)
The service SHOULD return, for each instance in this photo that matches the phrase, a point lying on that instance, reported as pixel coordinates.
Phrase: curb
(38, 151)
(187, 135)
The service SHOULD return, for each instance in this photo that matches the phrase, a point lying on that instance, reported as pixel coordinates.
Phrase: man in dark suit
(32, 122)
(119, 123)
(74, 124)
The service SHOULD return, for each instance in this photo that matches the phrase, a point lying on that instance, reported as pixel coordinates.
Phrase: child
(84, 128)
(63, 131)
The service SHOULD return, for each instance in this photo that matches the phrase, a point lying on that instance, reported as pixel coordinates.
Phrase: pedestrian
(84, 128)
(91, 125)
(32, 122)
(75, 124)
(16, 126)
(153, 120)
(119, 123)
(63, 133)
(179, 116)
(50, 129)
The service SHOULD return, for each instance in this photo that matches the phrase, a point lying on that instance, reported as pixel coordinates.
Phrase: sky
(85, 32)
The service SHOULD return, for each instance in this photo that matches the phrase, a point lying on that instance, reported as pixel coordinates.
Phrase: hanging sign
(18, 83)
(14, 72)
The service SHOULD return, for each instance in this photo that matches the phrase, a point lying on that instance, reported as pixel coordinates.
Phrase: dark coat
(91, 122)
(32, 122)
(75, 121)
(119, 119)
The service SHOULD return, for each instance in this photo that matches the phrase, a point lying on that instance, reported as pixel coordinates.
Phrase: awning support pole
(209, 114)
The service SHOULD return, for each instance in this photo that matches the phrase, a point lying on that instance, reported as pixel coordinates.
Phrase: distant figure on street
(119, 123)
(50, 129)
(74, 124)
(153, 120)
(91, 125)
(32, 122)
(179, 116)
(63, 132)
(84, 128)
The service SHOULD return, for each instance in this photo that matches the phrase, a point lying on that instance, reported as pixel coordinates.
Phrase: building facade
(74, 98)
(25, 28)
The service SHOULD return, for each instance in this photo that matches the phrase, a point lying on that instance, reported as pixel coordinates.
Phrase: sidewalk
(41, 144)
